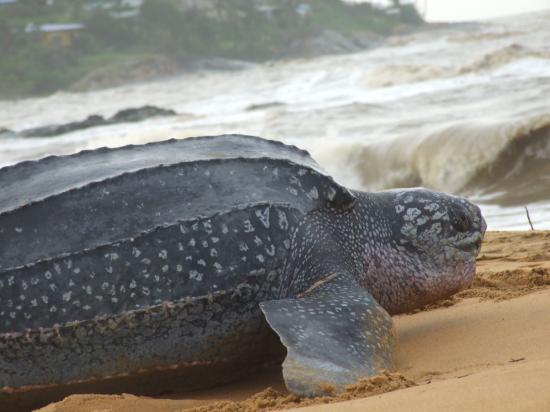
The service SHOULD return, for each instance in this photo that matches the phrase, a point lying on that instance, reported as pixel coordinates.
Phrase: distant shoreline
(96, 49)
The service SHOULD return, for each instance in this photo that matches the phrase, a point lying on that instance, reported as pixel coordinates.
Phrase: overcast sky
(457, 10)
(449, 10)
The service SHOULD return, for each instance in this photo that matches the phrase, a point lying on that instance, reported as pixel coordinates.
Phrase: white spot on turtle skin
(180, 247)
(18, 229)
(263, 216)
(109, 269)
(257, 240)
(136, 252)
(207, 226)
(207, 173)
(57, 268)
(67, 296)
(243, 247)
(248, 226)
(286, 243)
(11, 279)
(409, 229)
(331, 193)
(113, 256)
(145, 291)
(399, 208)
(163, 254)
(283, 221)
(215, 239)
(188, 258)
(260, 258)
(76, 271)
(302, 172)
(421, 220)
(218, 266)
(293, 191)
(179, 268)
(201, 262)
(411, 214)
(193, 274)
(225, 229)
(313, 193)
(204, 244)
(432, 207)
(132, 284)
(192, 242)
(182, 229)
(44, 299)
(408, 199)
(213, 252)
(434, 230)
(34, 303)
(165, 269)
(271, 250)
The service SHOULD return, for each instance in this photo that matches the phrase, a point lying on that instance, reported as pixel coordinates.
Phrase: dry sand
(486, 349)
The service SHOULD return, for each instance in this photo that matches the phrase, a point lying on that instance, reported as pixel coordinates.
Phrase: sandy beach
(484, 349)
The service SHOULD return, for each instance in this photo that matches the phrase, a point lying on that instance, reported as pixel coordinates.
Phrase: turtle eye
(460, 220)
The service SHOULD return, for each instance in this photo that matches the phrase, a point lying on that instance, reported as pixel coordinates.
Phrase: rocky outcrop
(123, 116)
(134, 70)
(332, 42)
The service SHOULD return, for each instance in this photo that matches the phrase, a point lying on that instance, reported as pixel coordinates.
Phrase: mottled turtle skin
(172, 254)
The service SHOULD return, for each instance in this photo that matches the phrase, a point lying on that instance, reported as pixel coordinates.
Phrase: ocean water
(465, 109)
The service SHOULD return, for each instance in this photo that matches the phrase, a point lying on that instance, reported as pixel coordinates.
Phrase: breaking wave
(505, 163)
(395, 74)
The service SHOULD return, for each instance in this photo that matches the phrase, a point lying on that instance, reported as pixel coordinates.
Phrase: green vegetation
(239, 29)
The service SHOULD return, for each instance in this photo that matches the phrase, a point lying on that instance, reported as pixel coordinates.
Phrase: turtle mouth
(471, 244)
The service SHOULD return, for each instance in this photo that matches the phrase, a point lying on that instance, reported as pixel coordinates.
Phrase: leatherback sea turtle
(173, 254)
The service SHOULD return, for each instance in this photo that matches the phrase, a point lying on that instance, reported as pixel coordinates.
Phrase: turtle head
(446, 227)
(436, 238)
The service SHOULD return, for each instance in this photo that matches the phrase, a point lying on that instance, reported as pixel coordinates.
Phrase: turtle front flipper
(335, 333)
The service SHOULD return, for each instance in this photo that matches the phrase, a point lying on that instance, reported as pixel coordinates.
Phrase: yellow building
(62, 35)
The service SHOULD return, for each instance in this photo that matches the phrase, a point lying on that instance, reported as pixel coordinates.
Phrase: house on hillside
(61, 34)
(118, 9)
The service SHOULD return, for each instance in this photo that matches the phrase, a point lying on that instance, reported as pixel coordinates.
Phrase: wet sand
(484, 349)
